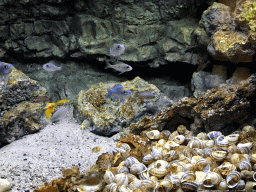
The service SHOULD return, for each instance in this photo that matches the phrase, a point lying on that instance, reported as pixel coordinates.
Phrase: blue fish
(118, 93)
(5, 70)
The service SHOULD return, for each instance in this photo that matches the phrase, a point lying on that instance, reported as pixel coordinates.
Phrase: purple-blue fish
(5, 70)
(118, 93)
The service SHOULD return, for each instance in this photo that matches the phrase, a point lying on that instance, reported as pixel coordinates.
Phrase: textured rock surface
(224, 108)
(152, 31)
(19, 115)
(107, 117)
(232, 29)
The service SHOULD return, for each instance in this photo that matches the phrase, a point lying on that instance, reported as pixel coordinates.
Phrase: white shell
(179, 139)
(211, 179)
(121, 179)
(130, 161)
(245, 148)
(232, 139)
(109, 177)
(233, 179)
(5, 185)
(153, 134)
(245, 165)
(138, 168)
(214, 134)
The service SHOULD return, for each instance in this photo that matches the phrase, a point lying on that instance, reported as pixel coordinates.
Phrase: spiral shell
(179, 139)
(221, 141)
(123, 188)
(250, 130)
(202, 165)
(245, 165)
(169, 145)
(148, 184)
(149, 158)
(171, 155)
(211, 179)
(165, 185)
(233, 149)
(123, 170)
(153, 134)
(214, 134)
(233, 179)
(138, 168)
(189, 186)
(226, 168)
(182, 130)
(157, 152)
(135, 184)
(200, 152)
(188, 176)
(209, 143)
(207, 152)
(109, 177)
(112, 187)
(121, 179)
(236, 158)
(144, 175)
(130, 161)
(233, 138)
(158, 172)
(240, 186)
(245, 148)
(202, 136)
(219, 155)
(122, 148)
(175, 180)
(222, 186)
(196, 143)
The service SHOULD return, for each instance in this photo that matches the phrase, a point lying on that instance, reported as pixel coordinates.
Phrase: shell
(157, 152)
(144, 175)
(124, 188)
(222, 186)
(153, 134)
(123, 170)
(226, 168)
(233, 138)
(125, 146)
(148, 159)
(247, 175)
(121, 179)
(202, 165)
(169, 145)
(109, 177)
(254, 176)
(179, 139)
(233, 149)
(200, 152)
(171, 155)
(253, 158)
(175, 180)
(240, 186)
(219, 155)
(159, 173)
(188, 176)
(250, 186)
(214, 134)
(135, 184)
(245, 165)
(196, 143)
(209, 143)
(164, 185)
(249, 130)
(182, 130)
(207, 152)
(161, 164)
(148, 183)
(189, 186)
(233, 179)
(202, 136)
(221, 141)
(188, 152)
(245, 148)
(112, 187)
(130, 161)
(165, 134)
(138, 168)
(211, 179)
(236, 158)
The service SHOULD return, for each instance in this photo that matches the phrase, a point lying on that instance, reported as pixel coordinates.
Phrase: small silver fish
(145, 95)
(77, 54)
(51, 67)
(5, 70)
(116, 51)
(120, 66)
(60, 113)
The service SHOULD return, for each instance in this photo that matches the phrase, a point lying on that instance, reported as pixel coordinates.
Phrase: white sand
(34, 159)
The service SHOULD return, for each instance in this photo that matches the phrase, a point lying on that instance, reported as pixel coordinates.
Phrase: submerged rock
(19, 115)
(223, 108)
(107, 117)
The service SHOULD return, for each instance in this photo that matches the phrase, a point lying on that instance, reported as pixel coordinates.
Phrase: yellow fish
(130, 88)
(61, 102)
(82, 127)
(49, 109)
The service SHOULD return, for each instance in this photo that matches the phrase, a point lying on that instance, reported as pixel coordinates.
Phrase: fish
(60, 113)
(61, 102)
(40, 99)
(5, 70)
(49, 109)
(145, 95)
(118, 93)
(77, 54)
(2, 52)
(120, 66)
(51, 67)
(116, 51)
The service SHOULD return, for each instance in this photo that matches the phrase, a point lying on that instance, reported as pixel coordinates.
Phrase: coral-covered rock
(19, 114)
(223, 108)
(109, 116)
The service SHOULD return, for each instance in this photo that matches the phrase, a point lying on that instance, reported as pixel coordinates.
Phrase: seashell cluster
(180, 161)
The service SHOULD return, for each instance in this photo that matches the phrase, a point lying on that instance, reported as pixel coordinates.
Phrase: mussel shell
(233, 179)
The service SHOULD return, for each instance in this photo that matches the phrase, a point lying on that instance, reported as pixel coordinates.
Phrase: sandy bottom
(38, 158)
